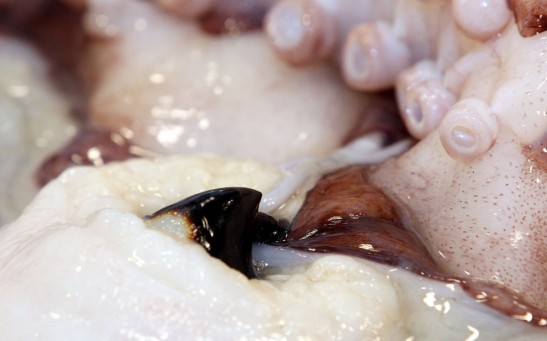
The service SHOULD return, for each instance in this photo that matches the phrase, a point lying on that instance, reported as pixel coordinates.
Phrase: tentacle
(301, 31)
(469, 130)
(423, 99)
(373, 49)
(305, 31)
(483, 19)
(373, 57)
(456, 75)
(420, 30)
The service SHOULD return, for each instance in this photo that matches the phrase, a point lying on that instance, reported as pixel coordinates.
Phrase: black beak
(225, 222)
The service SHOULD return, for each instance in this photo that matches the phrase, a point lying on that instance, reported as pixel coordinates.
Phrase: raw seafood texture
(470, 80)
(122, 280)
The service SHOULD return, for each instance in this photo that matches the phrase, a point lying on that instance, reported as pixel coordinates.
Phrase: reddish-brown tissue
(530, 15)
(91, 146)
(235, 18)
(380, 115)
(345, 214)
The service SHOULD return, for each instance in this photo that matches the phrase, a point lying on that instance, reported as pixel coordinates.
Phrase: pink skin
(373, 56)
(425, 95)
(475, 188)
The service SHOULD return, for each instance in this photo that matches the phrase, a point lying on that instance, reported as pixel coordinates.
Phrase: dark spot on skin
(537, 153)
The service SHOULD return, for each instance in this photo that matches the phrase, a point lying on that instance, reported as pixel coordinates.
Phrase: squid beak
(224, 221)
